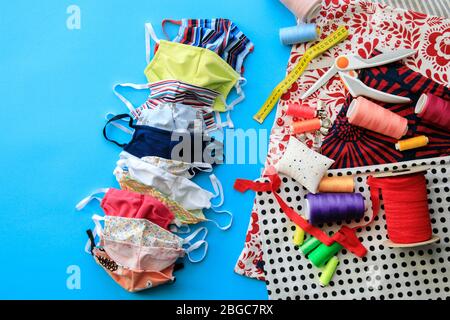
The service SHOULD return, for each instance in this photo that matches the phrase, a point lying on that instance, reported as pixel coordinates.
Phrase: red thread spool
(434, 110)
(304, 112)
(306, 126)
(406, 207)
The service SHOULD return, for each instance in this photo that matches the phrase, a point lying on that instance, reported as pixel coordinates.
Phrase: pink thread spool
(306, 126)
(366, 114)
(434, 110)
(298, 111)
(305, 10)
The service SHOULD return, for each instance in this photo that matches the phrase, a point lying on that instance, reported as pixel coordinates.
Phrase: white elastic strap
(218, 190)
(83, 203)
(195, 246)
(202, 166)
(240, 92)
(98, 226)
(220, 124)
(223, 228)
(149, 32)
(188, 239)
(128, 85)
(118, 125)
(180, 228)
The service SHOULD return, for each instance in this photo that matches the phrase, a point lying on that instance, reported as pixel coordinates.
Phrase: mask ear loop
(165, 21)
(98, 231)
(112, 120)
(218, 189)
(149, 32)
(194, 247)
(128, 104)
(197, 244)
(118, 125)
(93, 196)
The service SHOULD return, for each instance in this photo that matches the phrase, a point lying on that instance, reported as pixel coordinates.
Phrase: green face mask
(194, 65)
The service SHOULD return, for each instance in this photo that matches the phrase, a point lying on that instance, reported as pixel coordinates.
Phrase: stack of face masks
(135, 241)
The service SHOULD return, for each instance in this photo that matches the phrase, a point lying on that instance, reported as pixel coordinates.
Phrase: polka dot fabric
(385, 273)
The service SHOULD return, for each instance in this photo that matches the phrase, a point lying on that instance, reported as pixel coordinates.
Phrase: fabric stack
(189, 79)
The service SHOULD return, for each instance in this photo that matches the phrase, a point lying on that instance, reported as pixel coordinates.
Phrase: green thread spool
(309, 245)
(299, 236)
(323, 253)
(328, 271)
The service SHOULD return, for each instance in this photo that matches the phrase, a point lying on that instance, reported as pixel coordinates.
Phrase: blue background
(55, 91)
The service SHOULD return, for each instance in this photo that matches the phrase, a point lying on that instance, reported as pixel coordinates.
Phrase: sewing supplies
(333, 39)
(333, 207)
(305, 10)
(412, 143)
(434, 110)
(300, 33)
(344, 184)
(355, 86)
(303, 126)
(309, 245)
(304, 165)
(299, 236)
(323, 253)
(328, 271)
(367, 114)
(406, 207)
(299, 111)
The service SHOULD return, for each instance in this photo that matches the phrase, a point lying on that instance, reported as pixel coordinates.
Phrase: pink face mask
(127, 204)
(139, 244)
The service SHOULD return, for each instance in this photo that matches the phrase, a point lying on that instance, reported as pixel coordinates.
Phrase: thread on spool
(406, 207)
(412, 143)
(367, 114)
(305, 10)
(344, 184)
(333, 207)
(304, 126)
(299, 34)
(434, 110)
(323, 253)
(299, 111)
(299, 236)
(309, 245)
(328, 271)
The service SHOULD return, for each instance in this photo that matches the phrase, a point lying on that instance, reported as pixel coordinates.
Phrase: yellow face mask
(194, 65)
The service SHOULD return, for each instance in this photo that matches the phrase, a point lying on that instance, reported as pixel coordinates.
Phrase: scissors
(345, 66)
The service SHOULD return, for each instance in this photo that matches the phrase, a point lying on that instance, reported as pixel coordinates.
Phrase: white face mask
(188, 194)
(177, 168)
(172, 117)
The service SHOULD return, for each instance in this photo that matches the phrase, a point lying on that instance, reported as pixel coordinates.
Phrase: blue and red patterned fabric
(351, 146)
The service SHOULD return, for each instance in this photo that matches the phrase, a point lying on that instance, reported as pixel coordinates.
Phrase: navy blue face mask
(181, 146)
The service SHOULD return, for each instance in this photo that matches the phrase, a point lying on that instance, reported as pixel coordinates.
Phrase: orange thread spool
(366, 114)
(344, 184)
(306, 126)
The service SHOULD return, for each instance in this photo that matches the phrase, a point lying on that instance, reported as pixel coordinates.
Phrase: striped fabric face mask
(219, 35)
(173, 92)
(195, 65)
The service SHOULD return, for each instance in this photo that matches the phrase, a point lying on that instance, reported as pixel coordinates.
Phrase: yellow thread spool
(412, 143)
(328, 271)
(299, 236)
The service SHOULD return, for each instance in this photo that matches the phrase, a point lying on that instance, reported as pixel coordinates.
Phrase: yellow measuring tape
(333, 39)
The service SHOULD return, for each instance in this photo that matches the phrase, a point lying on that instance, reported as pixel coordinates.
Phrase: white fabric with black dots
(385, 273)
(306, 166)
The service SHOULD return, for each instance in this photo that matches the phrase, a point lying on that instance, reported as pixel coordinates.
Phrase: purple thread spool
(333, 207)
